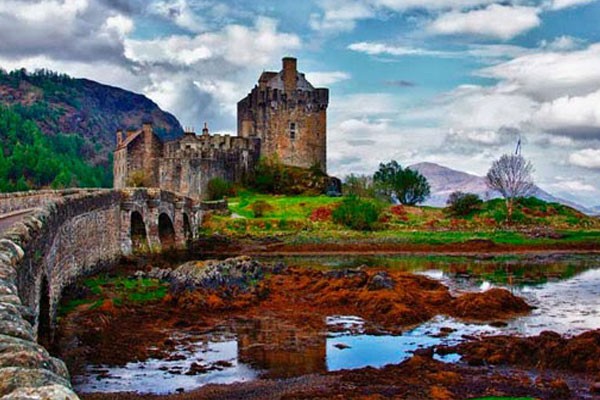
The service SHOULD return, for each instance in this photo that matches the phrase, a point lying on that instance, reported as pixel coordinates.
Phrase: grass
(289, 217)
(120, 290)
(284, 207)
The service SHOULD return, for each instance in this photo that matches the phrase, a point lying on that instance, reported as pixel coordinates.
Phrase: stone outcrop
(67, 235)
(239, 272)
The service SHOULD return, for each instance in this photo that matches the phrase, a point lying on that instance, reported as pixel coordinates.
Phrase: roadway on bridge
(7, 220)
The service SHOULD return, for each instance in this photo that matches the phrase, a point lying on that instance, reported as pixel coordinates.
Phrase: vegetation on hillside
(314, 215)
(65, 131)
(30, 160)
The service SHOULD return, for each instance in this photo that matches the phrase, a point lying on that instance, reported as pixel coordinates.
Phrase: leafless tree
(511, 177)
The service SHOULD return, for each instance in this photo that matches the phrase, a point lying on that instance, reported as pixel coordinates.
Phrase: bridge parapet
(69, 234)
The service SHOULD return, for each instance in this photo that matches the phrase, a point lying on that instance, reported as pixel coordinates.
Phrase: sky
(455, 82)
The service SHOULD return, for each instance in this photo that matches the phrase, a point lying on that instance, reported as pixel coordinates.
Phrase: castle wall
(188, 164)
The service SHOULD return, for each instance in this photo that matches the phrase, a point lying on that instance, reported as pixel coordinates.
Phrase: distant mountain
(444, 181)
(57, 104)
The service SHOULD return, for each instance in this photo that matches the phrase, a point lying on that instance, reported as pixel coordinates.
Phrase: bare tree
(511, 177)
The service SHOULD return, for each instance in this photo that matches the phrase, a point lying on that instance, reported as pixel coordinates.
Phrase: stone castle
(283, 116)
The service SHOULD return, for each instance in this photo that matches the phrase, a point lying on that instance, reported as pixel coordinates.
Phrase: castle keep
(288, 115)
(283, 116)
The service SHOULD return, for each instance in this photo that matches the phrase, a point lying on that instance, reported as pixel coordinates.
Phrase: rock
(240, 272)
(14, 378)
(381, 280)
(595, 388)
(50, 392)
(493, 304)
(341, 346)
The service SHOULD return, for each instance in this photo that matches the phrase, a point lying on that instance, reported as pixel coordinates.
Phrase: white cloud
(570, 185)
(578, 116)
(375, 49)
(119, 24)
(319, 79)
(180, 12)
(547, 75)
(340, 15)
(586, 158)
(498, 21)
(560, 4)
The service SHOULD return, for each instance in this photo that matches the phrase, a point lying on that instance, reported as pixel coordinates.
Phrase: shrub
(463, 204)
(398, 210)
(260, 208)
(321, 214)
(357, 214)
(218, 188)
(359, 186)
(273, 177)
(138, 179)
(407, 186)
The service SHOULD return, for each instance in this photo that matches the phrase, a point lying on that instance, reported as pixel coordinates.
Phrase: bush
(273, 177)
(321, 214)
(138, 179)
(463, 204)
(357, 214)
(218, 188)
(260, 208)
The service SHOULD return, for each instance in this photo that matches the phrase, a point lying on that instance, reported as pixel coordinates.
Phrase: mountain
(57, 104)
(444, 181)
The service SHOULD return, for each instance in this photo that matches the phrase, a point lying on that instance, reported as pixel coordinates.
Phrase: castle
(283, 116)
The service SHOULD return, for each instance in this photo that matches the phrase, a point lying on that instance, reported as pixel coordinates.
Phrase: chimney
(119, 137)
(289, 74)
(205, 129)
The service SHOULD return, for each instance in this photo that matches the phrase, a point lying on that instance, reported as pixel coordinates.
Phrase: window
(292, 130)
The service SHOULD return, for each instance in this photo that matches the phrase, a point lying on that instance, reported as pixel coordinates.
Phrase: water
(566, 293)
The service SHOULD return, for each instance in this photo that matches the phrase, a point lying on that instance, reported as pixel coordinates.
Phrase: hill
(59, 104)
(444, 181)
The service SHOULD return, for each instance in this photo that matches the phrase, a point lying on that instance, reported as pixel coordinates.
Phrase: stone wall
(17, 201)
(68, 236)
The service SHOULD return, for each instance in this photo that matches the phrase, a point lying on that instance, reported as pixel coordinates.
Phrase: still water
(566, 292)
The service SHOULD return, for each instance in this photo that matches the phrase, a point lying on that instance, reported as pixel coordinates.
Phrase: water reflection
(565, 291)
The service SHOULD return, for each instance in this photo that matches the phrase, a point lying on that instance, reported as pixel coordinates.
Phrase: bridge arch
(166, 231)
(138, 232)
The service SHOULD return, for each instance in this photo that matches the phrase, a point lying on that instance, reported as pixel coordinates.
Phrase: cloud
(340, 15)
(180, 12)
(79, 30)
(547, 75)
(586, 158)
(572, 116)
(399, 83)
(320, 79)
(375, 49)
(560, 4)
(497, 21)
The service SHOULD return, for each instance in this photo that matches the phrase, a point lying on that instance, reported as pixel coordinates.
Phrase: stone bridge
(48, 240)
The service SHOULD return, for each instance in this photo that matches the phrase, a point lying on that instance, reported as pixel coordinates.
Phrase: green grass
(118, 289)
(505, 398)
(289, 219)
(284, 207)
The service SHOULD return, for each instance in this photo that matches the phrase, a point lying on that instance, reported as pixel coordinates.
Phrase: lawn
(284, 207)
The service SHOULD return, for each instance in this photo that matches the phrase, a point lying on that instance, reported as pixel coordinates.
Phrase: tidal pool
(565, 291)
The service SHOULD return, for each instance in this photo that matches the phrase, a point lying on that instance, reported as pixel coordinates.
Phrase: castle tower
(288, 115)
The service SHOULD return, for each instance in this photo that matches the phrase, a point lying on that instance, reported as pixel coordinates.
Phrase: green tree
(357, 214)
(407, 186)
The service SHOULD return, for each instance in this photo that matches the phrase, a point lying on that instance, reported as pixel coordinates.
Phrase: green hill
(58, 131)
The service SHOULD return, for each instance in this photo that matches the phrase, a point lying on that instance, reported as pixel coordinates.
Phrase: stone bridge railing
(69, 234)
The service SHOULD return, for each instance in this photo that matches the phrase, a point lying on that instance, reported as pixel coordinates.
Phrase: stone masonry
(71, 233)
(184, 165)
(288, 115)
